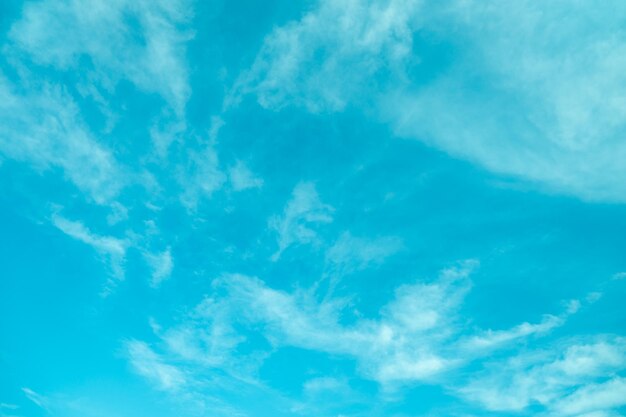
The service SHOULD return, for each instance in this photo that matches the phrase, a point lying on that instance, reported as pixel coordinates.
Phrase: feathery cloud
(112, 249)
(565, 380)
(418, 335)
(42, 127)
(149, 364)
(141, 41)
(519, 96)
(322, 66)
(241, 178)
(351, 254)
(161, 264)
(303, 210)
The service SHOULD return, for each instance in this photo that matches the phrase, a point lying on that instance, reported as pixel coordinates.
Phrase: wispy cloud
(42, 127)
(421, 335)
(490, 339)
(207, 337)
(150, 365)
(528, 121)
(8, 410)
(200, 174)
(38, 399)
(516, 94)
(350, 254)
(303, 211)
(503, 97)
(619, 275)
(200, 177)
(147, 49)
(161, 264)
(112, 249)
(322, 65)
(418, 336)
(241, 178)
(192, 381)
(602, 397)
(572, 379)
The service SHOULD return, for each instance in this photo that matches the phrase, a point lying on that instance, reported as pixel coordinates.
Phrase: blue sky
(312, 208)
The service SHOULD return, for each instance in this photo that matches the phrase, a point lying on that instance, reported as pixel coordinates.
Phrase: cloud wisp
(239, 183)
(112, 249)
(151, 55)
(43, 128)
(517, 95)
(419, 336)
(303, 211)
(577, 378)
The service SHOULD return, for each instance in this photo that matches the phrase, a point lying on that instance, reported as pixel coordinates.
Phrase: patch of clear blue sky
(153, 345)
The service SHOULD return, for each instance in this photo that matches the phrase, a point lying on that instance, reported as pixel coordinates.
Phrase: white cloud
(407, 343)
(551, 110)
(241, 178)
(532, 90)
(490, 338)
(161, 264)
(418, 336)
(331, 54)
(150, 365)
(303, 210)
(141, 41)
(619, 275)
(42, 127)
(119, 213)
(350, 254)
(112, 249)
(201, 177)
(164, 132)
(594, 398)
(38, 399)
(600, 414)
(321, 384)
(206, 337)
(564, 380)
(186, 383)
(414, 339)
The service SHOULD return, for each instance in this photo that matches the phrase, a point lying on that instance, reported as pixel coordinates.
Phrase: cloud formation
(148, 364)
(322, 65)
(577, 379)
(161, 264)
(519, 96)
(303, 211)
(112, 249)
(418, 336)
(42, 127)
(351, 254)
(140, 41)
(281, 305)
(241, 178)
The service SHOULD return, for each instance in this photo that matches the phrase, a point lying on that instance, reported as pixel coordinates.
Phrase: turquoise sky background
(326, 208)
